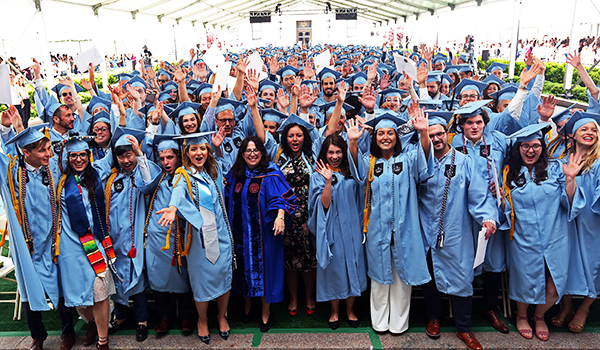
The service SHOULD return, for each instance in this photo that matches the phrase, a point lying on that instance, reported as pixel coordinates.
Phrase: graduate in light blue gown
(169, 272)
(335, 211)
(585, 213)
(538, 191)
(205, 237)
(86, 255)
(558, 146)
(451, 202)
(394, 244)
(127, 213)
(30, 204)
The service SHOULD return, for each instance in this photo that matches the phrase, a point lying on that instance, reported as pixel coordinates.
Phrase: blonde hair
(210, 164)
(592, 154)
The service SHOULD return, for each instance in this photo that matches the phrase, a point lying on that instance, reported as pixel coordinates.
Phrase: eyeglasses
(251, 151)
(227, 121)
(82, 156)
(66, 94)
(469, 97)
(526, 148)
(100, 130)
(438, 135)
(162, 80)
(392, 99)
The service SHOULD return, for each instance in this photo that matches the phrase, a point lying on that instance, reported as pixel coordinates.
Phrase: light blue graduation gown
(468, 203)
(124, 212)
(76, 273)
(163, 276)
(36, 273)
(394, 209)
(495, 255)
(364, 142)
(208, 280)
(541, 235)
(341, 269)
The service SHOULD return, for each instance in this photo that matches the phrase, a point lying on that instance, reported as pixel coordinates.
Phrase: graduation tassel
(132, 253)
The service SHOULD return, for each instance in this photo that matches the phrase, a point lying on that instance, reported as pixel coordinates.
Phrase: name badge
(45, 179)
(57, 147)
(397, 168)
(378, 170)
(237, 142)
(334, 180)
(520, 181)
(485, 151)
(450, 170)
(228, 147)
(118, 185)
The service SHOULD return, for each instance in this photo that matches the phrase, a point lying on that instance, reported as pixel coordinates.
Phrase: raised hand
(309, 69)
(422, 74)
(546, 109)
(296, 86)
(421, 120)
(37, 69)
(427, 53)
(368, 99)
(574, 59)
(528, 75)
(252, 79)
(192, 53)
(324, 170)
(151, 73)
(372, 72)
(218, 137)
(273, 65)
(413, 108)
(168, 216)
(385, 82)
(134, 144)
(86, 84)
(282, 100)
(133, 93)
(353, 130)
(67, 81)
(250, 96)
(342, 90)
(574, 166)
(306, 97)
(179, 76)
(241, 64)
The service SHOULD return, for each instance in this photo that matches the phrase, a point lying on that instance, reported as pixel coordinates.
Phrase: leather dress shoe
(164, 325)
(67, 340)
(37, 344)
(186, 325)
(469, 340)
(102, 346)
(141, 332)
(90, 334)
(495, 320)
(433, 328)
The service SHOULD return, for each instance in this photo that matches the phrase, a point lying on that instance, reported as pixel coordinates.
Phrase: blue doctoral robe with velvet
(127, 207)
(541, 235)
(208, 280)
(253, 202)
(342, 268)
(394, 235)
(164, 275)
(468, 202)
(36, 273)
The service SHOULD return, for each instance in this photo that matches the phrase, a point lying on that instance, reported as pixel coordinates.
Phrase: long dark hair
(239, 167)
(376, 151)
(88, 180)
(306, 147)
(336, 140)
(516, 162)
(180, 123)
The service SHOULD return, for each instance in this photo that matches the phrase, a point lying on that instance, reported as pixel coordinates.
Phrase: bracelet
(153, 123)
(280, 217)
(523, 87)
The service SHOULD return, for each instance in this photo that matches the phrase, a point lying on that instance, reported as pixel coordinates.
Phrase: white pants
(390, 305)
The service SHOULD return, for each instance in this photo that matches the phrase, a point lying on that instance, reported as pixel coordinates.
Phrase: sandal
(578, 327)
(525, 333)
(559, 323)
(542, 335)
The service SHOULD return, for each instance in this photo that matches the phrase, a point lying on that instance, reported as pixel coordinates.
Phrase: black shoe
(205, 338)
(354, 323)
(113, 326)
(225, 334)
(141, 333)
(334, 325)
(264, 327)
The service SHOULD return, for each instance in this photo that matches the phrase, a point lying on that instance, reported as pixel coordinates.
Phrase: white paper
(213, 58)
(256, 63)
(7, 94)
(222, 76)
(88, 56)
(405, 64)
(481, 247)
(322, 60)
(496, 182)
(30, 46)
(230, 84)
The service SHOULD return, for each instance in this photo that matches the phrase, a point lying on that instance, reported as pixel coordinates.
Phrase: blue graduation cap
(329, 73)
(287, 70)
(469, 84)
(60, 87)
(225, 104)
(268, 84)
(164, 95)
(439, 117)
(165, 73)
(309, 83)
(415, 54)
(120, 136)
(496, 66)
(101, 116)
(198, 138)
(124, 76)
(169, 86)
(28, 136)
(329, 107)
(98, 102)
(579, 119)
(273, 115)
(385, 120)
(435, 76)
(77, 143)
(136, 82)
(446, 79)
(147, 108)
(465, 57)
(50, 107)
(430, 104)
(163, 142)
(135, 73)
(529, 133)
(358, 78)
(471, 109)
(451, 69)
(185, 108)
(505, 94)
(294, 119)
(563, 115)
(440, 57)
(463, 68)
(492, 79)
(391, 93)
(204, 88)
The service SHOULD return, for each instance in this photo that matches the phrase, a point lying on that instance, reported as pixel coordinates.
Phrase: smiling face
(79, 160)
(473, 128)
(328, 86)
(530, 152)
(334, 156)
(226, 121)
(295, 139)
(102, 131)
(268, 94)
(386, 139)
(205, 100)
(66, 97)
(393, 103)
(169, 160)
(270, 126)
(127, 161)
(587, 135)
(38, 156)
(190, 123)
(468, 96)
(197, 155)
(252, 155)
(439, 138)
